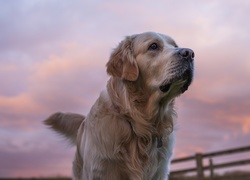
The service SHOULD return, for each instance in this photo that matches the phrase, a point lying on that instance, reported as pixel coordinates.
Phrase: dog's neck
(139, 105)
(132, 103)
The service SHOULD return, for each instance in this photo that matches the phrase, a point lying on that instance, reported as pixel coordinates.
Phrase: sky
(53, 56)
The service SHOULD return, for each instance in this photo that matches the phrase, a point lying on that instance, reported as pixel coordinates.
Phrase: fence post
(199, 165)
(211, 168)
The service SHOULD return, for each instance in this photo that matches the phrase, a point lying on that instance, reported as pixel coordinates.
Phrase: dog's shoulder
(105, 123)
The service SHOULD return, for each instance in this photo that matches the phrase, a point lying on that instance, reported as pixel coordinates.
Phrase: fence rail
(198, 158)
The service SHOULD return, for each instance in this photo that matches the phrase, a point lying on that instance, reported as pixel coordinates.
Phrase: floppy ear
(122, 62)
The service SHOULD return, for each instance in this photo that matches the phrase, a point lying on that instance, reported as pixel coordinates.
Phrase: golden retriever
(128, 133)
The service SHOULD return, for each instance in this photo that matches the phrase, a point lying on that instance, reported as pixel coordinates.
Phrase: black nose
(186, 53)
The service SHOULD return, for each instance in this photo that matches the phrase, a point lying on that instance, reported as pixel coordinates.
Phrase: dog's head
(156, 60)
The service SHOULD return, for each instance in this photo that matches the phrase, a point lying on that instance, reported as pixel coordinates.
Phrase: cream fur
(128, 133)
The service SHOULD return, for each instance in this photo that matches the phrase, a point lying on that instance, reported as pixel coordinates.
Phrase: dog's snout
(186, 53)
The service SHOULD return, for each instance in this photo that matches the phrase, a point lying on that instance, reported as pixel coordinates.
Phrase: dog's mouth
(186, 77)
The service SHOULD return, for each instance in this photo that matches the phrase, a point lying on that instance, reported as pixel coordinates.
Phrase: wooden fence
(198, 158)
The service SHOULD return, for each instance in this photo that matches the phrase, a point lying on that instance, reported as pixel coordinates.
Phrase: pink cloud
(53, 56)
(19, 164)
(22, 104)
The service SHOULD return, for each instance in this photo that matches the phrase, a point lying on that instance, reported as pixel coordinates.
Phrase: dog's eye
(153, 46)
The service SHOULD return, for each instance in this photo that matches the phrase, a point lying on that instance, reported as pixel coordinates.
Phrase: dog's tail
(66, 124)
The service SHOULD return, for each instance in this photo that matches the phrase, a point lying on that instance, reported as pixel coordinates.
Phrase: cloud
(62, 82)
(21, 149)
(53, 56)
(209, 123)
(69, 80)
(246, 125)
(37, 163)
